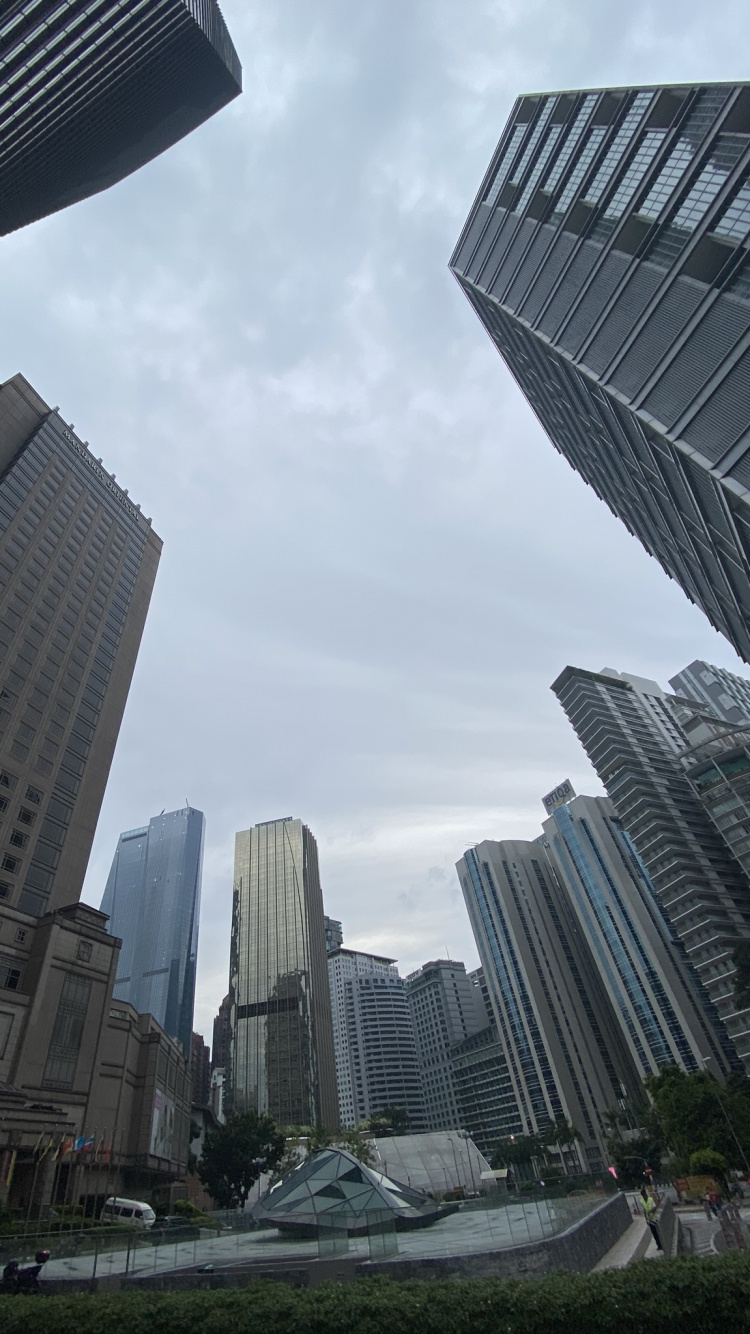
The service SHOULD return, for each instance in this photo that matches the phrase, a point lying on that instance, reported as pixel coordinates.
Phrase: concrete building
(334, 934)
(664, 1013)
(281, 1050)
(445, 1008)
(635, 734)
(562, 1044)
(200, 1072)
(606, 256)
(152, 899)
(724, 693)
(91, 93)
(222, 1034)
(487, 1105)
(377, 1064)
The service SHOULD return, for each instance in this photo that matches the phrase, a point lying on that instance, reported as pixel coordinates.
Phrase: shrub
(674, 1296)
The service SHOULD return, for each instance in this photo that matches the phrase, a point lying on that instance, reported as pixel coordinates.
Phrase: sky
(375, 564)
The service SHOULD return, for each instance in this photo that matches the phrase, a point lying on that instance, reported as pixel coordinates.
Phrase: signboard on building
(162, 1126)
(559, 795)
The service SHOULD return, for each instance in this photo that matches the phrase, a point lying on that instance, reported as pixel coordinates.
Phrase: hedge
(680, 1296)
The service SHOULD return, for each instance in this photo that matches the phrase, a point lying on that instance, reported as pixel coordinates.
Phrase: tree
(390, 1121)
(560, 1133)
(517, 1149)
(695, 1112)
(706, 1162)
(741, 961)
(235, 1155)
(629, 1159)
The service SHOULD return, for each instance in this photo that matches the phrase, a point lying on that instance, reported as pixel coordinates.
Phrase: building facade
(281, 1050)
(200, 1071)
(222, 1034)
(334, 934)
(605, 255)
(90, 93)
(445, 1008)
(152, 899)
(377, 1064)
(483, 1089)
(561, 1041)
(635, 734)
(724, 693)
(664, 1013)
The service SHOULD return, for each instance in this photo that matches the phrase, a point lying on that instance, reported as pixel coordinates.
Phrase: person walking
(649, 1209)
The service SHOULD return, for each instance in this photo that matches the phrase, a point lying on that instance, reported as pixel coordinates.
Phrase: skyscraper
(373, 1037)
(281, 1050)
(605, 256)
(90, 91)
(724, 693)
(445, 1008)
(222, 1035)
(634, 734)
(77, 566)
(562, 1043)
(665, 1017)
(152, 899)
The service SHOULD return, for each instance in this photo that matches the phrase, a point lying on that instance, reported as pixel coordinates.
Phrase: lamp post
(465, 1136)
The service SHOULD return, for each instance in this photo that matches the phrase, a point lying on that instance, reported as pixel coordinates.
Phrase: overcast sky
(375, 564)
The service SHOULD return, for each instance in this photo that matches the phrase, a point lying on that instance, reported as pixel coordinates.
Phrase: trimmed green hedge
(684, 1296)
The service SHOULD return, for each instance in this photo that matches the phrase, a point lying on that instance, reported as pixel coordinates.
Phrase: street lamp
(464, 1135)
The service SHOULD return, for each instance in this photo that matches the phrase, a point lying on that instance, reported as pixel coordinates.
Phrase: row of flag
(60, 1149)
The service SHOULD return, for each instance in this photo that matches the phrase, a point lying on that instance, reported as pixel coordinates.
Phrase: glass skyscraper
(281, 1049)
(90, 90)
(606, 255)
(152, 899)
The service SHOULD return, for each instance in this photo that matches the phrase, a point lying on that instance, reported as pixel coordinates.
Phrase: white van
(134, 1212)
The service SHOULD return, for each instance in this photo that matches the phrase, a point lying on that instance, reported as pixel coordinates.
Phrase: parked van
(134, 1212)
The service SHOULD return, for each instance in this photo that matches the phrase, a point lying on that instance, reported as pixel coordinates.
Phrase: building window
(67, 1032)
(10, 863)
(32, 794)
(20, 935)
(24, 816)
(7, 780)
(18, 839)
(10, 974)
(84, 950)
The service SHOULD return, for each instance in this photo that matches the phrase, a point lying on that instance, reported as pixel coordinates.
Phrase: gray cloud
(375, 563)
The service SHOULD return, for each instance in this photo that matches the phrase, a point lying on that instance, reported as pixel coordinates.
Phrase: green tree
(630, 1157)
(319, 1138)
(390, 1121)
(356, 1145)
(561, 1134)
(707, 1162)
(695, 1112)
(517, 1149)
(741, 961)
(235, 1155)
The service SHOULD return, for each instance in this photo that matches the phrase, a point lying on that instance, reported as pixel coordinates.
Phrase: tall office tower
(485, 1097)
(445, 1008)
(77, 566)
(281, 1049)
(153, 899)
(334, 934)
(373, 1036)
(200, 1071)
(634, 735)
(724, 693)
(91, 91)
(561, 1040)
(605, 256)
(718, 769)
(221, 1037)
(665, 1015)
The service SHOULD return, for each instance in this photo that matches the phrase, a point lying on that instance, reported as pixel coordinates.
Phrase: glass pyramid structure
(334, 1184)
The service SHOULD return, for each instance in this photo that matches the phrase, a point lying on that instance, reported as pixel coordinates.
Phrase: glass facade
(606, 256)
(635, 736)
(152, 899)
(654, 995)
(90, 90)
(281, 1050)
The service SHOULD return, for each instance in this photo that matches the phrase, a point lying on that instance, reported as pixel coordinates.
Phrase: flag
(82, 1143)
(8, 1165)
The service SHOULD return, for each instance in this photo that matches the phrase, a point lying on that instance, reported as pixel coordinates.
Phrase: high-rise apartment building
(152, 899)
(487, 1105)
(606, 256)
(373, 1035)
(281, 1051)
(724, 693)
(635, 735)
(561, 1041)
(200, 1071)
(664, 1013)
(445, 1008)
(334, 934)
(92, 90)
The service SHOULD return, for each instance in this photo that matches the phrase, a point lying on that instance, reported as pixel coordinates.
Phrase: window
(9, 863)
(84, 950)
(588, 152)
(5, 889)
(505, 164)
(7, 780)
(19, 839)
(10, 974)
(618, 148)
(20, 935)
(24, 816)
(67, 1032)
(32, 794)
